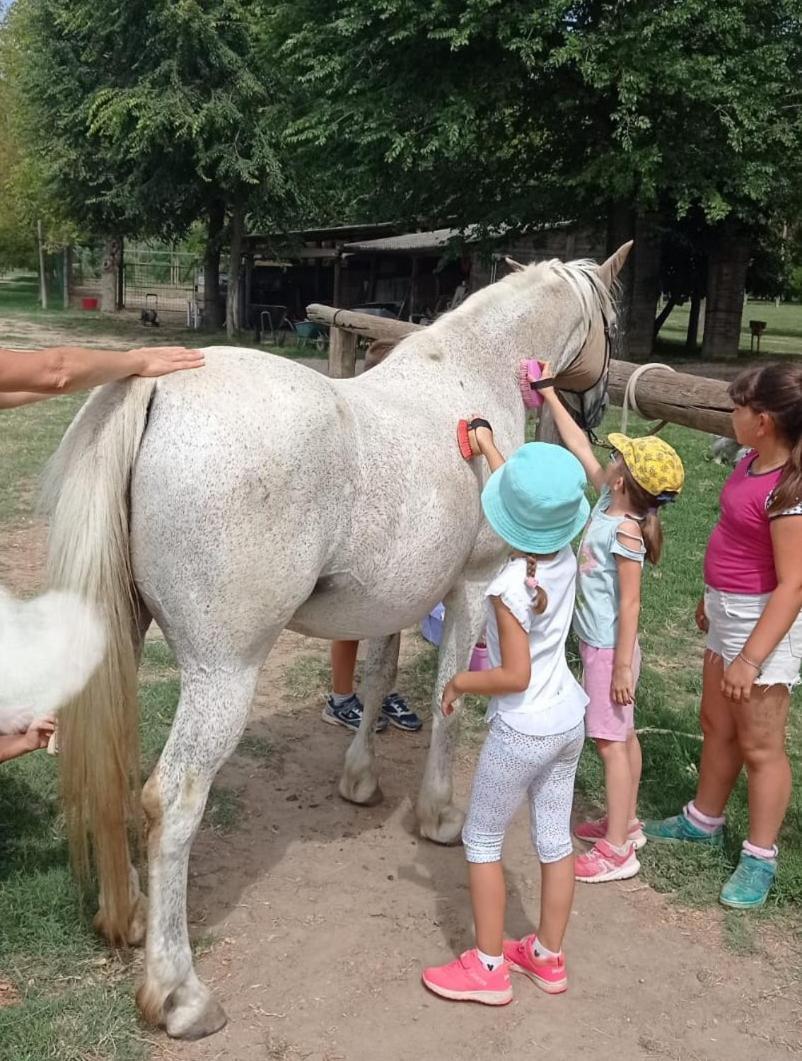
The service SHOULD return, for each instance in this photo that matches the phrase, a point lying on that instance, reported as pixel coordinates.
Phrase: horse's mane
(582, 276)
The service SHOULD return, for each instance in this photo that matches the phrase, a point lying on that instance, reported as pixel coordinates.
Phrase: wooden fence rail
(678, 397)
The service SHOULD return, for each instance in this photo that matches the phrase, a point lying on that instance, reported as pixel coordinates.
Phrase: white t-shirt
(554, 701)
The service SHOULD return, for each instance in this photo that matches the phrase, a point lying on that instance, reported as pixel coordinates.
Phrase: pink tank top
(740, 556)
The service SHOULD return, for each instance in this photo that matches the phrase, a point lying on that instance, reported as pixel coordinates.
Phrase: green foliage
(142, 114)
(514, 112)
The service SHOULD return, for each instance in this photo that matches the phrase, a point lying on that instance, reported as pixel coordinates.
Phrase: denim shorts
(732, 618)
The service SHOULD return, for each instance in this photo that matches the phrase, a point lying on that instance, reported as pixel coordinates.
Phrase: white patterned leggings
(514, 765)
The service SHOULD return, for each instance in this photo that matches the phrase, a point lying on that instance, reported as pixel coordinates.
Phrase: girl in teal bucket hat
(536, 503)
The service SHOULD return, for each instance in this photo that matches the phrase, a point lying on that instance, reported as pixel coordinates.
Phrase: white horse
(230, 503)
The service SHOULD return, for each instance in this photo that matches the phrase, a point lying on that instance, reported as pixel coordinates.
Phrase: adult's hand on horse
(162, 360)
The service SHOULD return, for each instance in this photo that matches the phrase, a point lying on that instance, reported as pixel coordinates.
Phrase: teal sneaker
(680, 830)
(750, 884)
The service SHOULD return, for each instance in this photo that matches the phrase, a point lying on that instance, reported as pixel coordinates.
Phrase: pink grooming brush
(463, 441)
(530, 372)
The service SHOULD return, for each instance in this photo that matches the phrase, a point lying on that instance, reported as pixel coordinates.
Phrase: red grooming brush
(463, 430)
(529, 372)
(463, 441)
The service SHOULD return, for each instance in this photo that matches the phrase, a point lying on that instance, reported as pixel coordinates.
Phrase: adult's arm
(63, 369)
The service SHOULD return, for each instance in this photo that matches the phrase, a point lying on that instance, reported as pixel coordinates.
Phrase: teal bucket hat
(536, 501)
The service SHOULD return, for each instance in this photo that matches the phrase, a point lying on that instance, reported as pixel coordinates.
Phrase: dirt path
(323, 913)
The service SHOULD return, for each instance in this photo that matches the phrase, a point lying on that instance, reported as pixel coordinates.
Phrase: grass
(668, 699)
(75, 1001)
(19, 305)
(29, 436)
(783, 335)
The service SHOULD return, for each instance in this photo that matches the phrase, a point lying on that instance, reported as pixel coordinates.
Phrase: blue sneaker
(349, 714)
(396, 710)
(750, 884)
(679, 829)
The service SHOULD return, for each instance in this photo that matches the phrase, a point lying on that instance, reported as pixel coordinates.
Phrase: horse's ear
(610, 269)
(515, 266)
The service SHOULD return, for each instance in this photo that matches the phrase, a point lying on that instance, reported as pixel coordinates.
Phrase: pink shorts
(605, 719)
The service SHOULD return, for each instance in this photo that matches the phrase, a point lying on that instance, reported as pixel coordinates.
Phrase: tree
(512, 113)
(147, 115)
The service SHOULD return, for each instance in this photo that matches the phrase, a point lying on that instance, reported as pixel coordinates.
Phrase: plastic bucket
(88, 303)
(479, 658)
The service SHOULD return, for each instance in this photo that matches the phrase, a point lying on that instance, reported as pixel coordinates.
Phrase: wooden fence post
(342, 353)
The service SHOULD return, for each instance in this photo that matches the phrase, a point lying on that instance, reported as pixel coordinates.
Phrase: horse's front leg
(438, 817)
(360, 783)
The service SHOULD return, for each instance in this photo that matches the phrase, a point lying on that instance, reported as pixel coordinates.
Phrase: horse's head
(579, 351)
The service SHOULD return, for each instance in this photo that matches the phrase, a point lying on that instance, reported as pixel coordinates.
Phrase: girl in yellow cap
(624, 529)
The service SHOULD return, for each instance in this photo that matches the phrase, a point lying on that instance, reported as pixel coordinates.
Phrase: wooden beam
(342, 353)
(364, 324)
(678, 397)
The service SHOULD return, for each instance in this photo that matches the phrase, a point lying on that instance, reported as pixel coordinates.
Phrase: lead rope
(629, 396)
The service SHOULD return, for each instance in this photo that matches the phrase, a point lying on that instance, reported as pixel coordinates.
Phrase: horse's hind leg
(211, 716)
(438, 817)
(359, 783)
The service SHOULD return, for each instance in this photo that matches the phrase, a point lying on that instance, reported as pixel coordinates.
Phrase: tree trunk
(212, 309)
(664, 314)
(109, 278)
(120, 301)
(236, 231)
(620, 229)
(692, 338)
(645, 287)
(728, 261)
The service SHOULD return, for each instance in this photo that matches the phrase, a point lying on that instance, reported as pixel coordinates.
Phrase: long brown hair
(541, 598)
(777, 390)
(648, 507)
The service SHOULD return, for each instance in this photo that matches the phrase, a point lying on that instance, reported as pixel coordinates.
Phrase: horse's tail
(88, 493)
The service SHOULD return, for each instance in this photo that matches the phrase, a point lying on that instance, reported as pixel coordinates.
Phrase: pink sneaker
(595, 830)
(602, 863)
(466, 979)
(547, 973)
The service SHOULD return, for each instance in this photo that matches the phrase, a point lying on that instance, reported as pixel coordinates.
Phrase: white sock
(489, 961)
(339, 699)
(543, 952)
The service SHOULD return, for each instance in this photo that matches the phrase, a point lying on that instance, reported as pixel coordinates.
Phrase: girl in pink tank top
(751, 614)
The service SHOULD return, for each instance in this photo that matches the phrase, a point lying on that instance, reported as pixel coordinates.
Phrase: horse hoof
(185, 1022)
(364, 791)
(444, 827)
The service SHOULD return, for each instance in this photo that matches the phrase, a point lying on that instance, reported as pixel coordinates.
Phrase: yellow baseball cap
(652, 463)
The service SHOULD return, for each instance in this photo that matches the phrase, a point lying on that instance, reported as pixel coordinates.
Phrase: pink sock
(760, 852)
(704, 822)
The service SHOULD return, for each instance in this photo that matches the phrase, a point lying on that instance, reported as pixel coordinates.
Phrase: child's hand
(38, 734)
(548, 390)
(450, 695)
(739, 677)
(701, 617)
(480, 438)
(623, 685)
